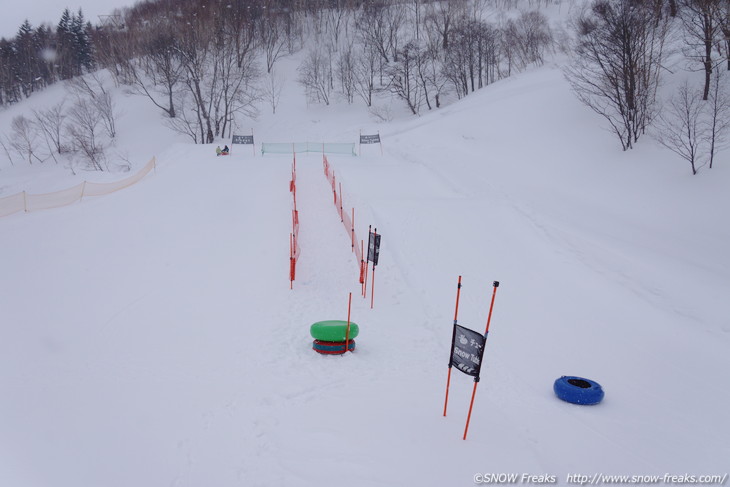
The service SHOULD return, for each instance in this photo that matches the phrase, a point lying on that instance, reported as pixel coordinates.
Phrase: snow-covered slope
(149, 337)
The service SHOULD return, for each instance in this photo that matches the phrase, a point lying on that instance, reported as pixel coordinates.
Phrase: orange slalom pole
(448, 384)
(363, 268)
(347, 333)
(367, 261)
(342, 215)
(372, 289)
(471, 405)
(476, 379)
(453, 337)
(491, 306)
(291, 261)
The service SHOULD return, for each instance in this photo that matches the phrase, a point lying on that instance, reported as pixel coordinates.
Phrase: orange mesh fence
(32, 202)
(294, 249)
(11, 204)
(347, 221)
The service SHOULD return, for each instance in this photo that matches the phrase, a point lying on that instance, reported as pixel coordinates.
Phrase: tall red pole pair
(476, 379)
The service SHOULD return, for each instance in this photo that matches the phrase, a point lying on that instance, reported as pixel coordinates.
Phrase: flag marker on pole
(467, 352)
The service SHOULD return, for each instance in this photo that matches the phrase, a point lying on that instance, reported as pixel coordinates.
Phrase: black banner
(467, 351)
(370, 139)
(373, 248)
(242, 139)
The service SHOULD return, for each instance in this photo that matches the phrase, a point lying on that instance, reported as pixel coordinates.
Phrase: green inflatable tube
(333, 330)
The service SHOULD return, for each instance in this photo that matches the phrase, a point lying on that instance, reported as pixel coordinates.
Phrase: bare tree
(346, 73)
(188, 121)
(315, 76)
(725, 18)
(107, 111)
(92, 87)
(236, 72)
(51, 124)
(273, 87)
(442, 16)
(196, 55)
(471, 59)
(365, 67)
(372, 25)
(532, 37)
(84, 133)
(616, 65)
(162, 71)
(680, 127)
(24, 138)
(702, 21)
(718, 115)
(336, 20)
(273, 40)
(4, 144)
(404, 77)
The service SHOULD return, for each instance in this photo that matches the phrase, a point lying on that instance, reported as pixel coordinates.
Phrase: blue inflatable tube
(578, 390)
(332, 348)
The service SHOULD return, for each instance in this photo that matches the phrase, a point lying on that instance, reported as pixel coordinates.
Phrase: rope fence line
(43, 201)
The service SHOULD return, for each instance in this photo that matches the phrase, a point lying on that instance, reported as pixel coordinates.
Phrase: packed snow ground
(150, 338)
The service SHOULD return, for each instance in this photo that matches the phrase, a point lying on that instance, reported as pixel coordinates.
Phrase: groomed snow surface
(150, 338)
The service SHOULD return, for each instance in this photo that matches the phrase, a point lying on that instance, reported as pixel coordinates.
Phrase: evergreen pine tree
(65, 47)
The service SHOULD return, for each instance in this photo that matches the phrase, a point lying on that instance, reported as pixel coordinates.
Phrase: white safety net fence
(302, 147)
(32, 202)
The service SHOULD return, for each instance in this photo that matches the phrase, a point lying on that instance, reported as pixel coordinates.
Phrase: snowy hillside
(149, 337)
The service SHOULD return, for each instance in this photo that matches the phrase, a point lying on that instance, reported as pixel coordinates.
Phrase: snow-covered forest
(209, 66)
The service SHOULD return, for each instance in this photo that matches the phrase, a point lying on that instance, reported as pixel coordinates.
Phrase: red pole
(476, 379)
(491, 306)
(448, 383)
(363, 268)
(342, 216)
(347, 333)
(456, 314)
(353, 229)
(458, 293)
(471, 405)
(367, 260)
(291, 261)
(372, 289)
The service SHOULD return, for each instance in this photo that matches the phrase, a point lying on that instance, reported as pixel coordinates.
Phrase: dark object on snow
(577, 390)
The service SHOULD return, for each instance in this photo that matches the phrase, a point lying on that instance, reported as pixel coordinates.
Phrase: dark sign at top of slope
(370, 139)
(242, 139)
